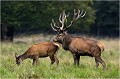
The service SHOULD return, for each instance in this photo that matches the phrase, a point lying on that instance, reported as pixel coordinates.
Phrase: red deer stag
(36, 51)
(78, 46)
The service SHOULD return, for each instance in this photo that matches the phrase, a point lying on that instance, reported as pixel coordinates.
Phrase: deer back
(41, 48)
(84, 45)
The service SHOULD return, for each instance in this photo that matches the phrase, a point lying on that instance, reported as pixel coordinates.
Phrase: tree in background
(102, 17)
(107, 18)
(37, 15)
(18, 14)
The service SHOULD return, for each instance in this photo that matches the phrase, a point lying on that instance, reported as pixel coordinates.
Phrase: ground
(65, 69)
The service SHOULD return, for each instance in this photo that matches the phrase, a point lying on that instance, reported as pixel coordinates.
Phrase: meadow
(65, 69)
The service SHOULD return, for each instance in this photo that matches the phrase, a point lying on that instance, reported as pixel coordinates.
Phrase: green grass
(65, 69)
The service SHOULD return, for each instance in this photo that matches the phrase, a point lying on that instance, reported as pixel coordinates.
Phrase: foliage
(107, 21)
(18, 14)
(38, 14)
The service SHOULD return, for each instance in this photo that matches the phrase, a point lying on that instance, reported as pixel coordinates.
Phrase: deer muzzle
(55, 40)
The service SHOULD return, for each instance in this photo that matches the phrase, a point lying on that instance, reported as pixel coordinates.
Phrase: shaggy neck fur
(66, 41)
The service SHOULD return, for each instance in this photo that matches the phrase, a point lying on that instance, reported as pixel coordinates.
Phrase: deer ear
(16, 55)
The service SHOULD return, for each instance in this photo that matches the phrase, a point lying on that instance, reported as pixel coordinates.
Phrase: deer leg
(56, 59)
(97, 63)
(101, 61)
(52, 59)
(78, 58)
(35, 61)
(75, 59)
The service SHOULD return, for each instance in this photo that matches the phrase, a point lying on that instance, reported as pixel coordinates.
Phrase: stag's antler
(54, 26)
(63, 18)
(76, 16)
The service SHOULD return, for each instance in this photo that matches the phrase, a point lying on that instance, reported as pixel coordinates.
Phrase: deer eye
(60, 35)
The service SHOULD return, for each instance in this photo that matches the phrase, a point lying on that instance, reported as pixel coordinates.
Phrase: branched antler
(63, 18)
(54, 26)
(76, 16)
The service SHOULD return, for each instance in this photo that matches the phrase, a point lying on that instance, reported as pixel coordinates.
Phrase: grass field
(65, 69)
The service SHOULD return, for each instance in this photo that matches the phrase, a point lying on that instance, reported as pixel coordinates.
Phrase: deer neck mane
(66, 42)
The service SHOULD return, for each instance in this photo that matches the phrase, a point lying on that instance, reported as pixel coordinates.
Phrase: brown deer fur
(80, 46)
(36, 51)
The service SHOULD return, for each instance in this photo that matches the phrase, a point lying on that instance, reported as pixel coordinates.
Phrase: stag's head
(61, 28)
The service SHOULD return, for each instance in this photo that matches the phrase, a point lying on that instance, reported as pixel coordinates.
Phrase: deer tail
(101, 46)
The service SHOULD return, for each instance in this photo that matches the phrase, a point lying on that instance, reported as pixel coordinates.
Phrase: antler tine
(83, 14)
(72, 20)
(62, 19)
(64, 15)
(75, 12)
(53, 25)
(80, 14)
(76, 16)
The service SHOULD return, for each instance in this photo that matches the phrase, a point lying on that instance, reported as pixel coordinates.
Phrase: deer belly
(43, 54)
(85, 54)
(39, 55)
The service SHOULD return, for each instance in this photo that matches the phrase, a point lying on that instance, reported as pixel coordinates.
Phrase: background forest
(102, 17)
